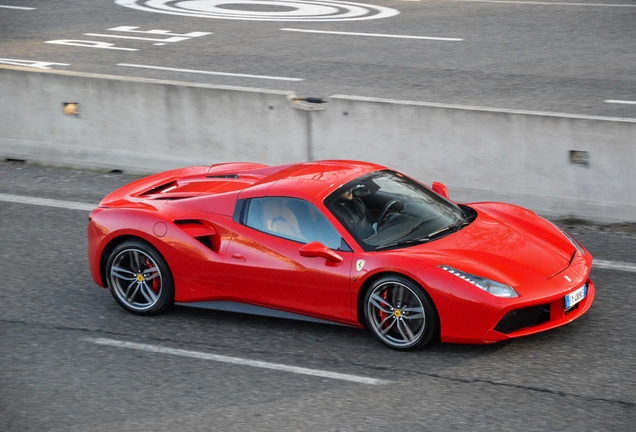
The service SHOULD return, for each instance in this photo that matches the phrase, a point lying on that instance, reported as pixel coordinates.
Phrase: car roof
(308, 180)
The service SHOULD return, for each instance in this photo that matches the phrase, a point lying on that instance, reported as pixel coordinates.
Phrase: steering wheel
(385, 210)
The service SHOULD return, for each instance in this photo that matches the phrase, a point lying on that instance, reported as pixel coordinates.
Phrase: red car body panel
(187, 215)
(278, 276)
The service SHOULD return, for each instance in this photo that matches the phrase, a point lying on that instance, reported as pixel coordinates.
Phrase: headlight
(495, 288)
(570, 238)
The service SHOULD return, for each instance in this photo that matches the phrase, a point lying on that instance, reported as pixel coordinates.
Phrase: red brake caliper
(383, 314)
(156, 282)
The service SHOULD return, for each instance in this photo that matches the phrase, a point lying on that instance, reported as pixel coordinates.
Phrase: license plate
(575, 297)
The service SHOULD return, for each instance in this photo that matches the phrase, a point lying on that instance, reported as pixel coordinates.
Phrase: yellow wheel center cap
(140, 277)
(397, 313)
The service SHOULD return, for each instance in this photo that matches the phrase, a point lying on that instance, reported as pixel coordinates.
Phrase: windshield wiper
(452, 227)
(402, 243)
(405, 233)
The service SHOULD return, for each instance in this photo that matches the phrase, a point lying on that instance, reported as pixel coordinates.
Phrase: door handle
(238, 257)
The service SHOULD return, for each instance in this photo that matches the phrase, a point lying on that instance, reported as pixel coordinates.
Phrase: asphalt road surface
(72, 359)
(572, 56)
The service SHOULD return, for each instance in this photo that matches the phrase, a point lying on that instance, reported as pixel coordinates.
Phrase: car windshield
(386, 210)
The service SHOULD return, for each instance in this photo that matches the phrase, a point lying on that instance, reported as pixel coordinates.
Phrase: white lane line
(620, 102)
(209, 73)
(17, 7)
(235, 360)
(614, 265)
(549, 3)
(172, 39)
(47, 202)
(372, 35)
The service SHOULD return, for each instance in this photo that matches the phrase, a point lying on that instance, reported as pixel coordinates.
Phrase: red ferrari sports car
(341, 241)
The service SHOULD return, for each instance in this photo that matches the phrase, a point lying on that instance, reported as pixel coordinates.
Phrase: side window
(293, 219)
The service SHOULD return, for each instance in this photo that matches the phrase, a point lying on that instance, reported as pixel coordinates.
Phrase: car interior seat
(279, 218)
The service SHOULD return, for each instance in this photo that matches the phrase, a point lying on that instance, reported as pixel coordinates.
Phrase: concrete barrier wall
(487, 154)
(145, 126)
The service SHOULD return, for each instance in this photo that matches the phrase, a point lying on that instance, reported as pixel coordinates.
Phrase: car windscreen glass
(385, 209)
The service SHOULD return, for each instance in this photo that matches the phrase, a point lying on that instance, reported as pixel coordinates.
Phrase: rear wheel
(139, 278)
(400, 313)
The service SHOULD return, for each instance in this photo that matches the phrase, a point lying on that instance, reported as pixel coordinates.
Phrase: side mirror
(317, 249)
(441, 189)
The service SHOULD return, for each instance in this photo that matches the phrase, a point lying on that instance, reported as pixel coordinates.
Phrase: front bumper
(556, 316)
(470, 315)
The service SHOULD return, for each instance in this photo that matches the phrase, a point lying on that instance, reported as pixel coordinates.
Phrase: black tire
(400, 313)
(139, 278)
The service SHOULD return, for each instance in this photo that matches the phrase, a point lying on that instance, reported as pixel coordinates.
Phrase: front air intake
(522, 318)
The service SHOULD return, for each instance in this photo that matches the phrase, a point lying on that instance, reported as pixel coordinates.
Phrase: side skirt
(228, 306)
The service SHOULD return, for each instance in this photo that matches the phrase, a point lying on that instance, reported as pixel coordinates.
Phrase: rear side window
(292, 219)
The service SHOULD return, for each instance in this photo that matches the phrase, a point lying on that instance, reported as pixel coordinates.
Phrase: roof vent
(160, 189)
(223, 176)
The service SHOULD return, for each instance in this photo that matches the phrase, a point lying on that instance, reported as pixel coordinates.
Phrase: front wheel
(400, 313)
(139, 278)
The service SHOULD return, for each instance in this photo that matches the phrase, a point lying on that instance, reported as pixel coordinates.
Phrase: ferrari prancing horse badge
(360, 264)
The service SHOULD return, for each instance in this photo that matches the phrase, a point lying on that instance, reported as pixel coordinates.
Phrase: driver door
(269, 269)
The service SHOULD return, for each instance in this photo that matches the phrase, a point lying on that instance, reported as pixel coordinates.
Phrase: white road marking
(31, 63)
(131, 29)
(614, 265)
(549, 3)
(17, 7)
(172, 39)
(620, 102)
(89, 44)
(235, 360)
(73, 205)
(293, 10)
(209, 73)
(47, 202)
(371, 34)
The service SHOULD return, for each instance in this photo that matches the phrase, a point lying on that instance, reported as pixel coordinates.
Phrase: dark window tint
(385, 209)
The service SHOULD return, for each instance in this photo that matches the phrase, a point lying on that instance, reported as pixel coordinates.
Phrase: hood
(505, 243)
